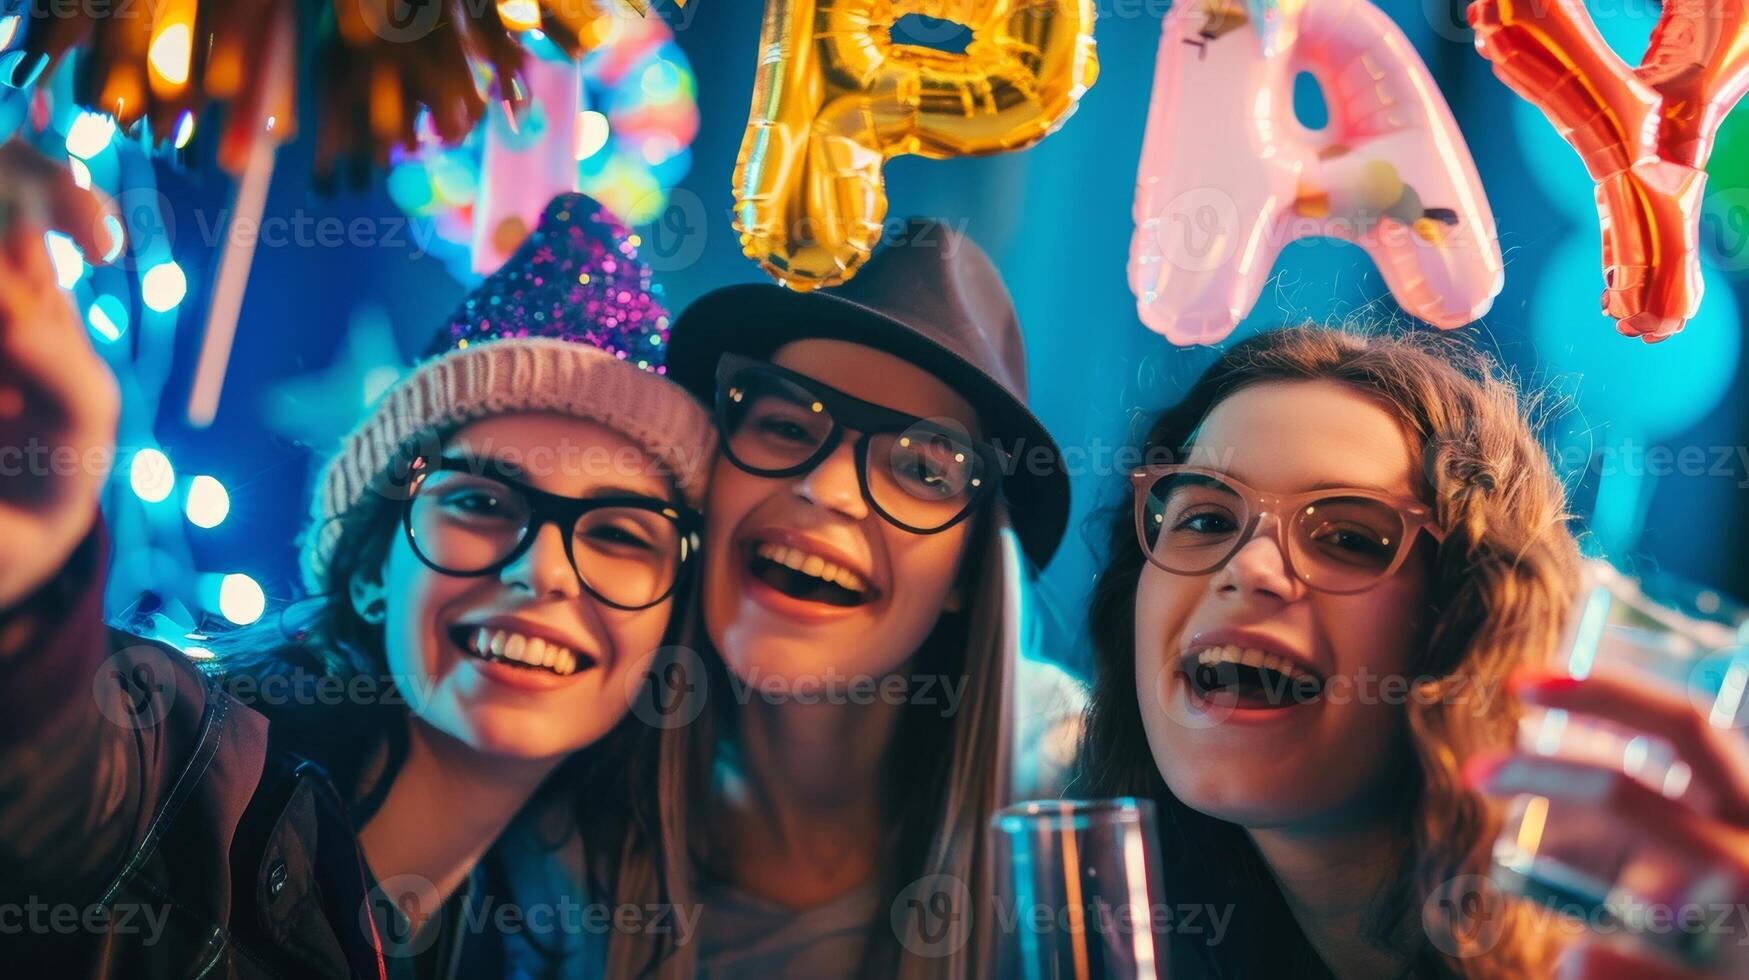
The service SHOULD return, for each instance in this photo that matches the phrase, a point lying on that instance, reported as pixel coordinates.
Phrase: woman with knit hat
(496, 554)
(880, 490)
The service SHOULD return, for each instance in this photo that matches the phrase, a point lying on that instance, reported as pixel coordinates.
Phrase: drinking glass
(1078, 891)
(1567, 855)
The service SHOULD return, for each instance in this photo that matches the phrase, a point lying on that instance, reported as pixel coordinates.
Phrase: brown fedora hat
(934, 299)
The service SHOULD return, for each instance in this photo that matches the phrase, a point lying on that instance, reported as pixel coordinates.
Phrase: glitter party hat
(571, 324)
(578, 278)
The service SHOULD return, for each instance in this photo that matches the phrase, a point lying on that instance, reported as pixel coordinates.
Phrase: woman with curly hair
(1341, 546)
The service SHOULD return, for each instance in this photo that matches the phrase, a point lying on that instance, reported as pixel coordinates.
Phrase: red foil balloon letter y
(1644, 134)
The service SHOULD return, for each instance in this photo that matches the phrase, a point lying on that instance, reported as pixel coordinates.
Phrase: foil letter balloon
(1229, 175)
(1644, 134)
(835, 98)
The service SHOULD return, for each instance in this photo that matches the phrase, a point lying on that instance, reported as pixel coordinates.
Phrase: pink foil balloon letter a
(1229, 176)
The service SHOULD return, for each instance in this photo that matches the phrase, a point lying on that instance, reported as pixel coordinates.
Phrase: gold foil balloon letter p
(835, 98)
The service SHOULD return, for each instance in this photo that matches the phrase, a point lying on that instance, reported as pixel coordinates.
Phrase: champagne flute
(1078, 891)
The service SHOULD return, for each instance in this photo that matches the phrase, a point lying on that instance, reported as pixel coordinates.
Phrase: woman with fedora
(881, 487)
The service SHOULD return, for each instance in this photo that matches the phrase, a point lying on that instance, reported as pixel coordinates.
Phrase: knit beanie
(572, 323)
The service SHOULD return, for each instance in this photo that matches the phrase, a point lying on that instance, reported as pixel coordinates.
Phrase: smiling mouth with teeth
(1250, 678)
(520, 650)
(805, 576)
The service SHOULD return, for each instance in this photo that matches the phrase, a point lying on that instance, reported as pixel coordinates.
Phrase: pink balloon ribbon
(516, 183)
(1229, 176)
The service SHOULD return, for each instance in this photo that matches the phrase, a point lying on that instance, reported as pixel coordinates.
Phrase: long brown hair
(1501, 585)
(361, 746)
(947, 772)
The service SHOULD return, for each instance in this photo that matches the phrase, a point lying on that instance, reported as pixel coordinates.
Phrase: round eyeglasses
(466, 517)
(1192, 521)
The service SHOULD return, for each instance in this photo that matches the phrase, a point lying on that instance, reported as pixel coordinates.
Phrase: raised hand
(1688, 847)
(58, 400)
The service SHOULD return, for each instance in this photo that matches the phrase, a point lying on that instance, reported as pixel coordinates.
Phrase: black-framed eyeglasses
(469, 517)
(920, 475)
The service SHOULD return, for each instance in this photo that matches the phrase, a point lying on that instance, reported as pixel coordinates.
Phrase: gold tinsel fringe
(376, 64)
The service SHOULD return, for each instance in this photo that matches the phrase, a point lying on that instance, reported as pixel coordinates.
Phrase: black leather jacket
(150, 825)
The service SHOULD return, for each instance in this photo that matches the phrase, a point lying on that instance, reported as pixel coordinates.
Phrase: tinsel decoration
(376, 65)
